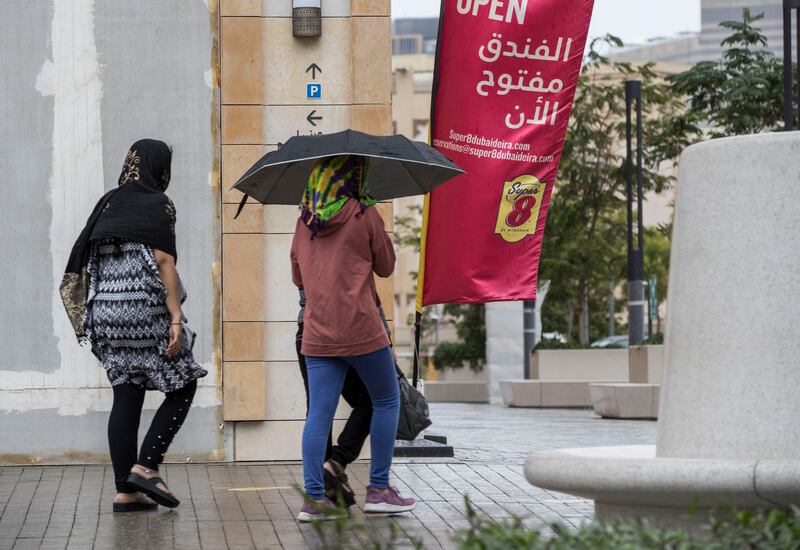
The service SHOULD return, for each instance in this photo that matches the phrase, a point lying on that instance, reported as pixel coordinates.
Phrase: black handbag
(414, 413)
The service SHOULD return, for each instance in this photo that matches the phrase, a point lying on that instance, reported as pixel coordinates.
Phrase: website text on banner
(505, 79)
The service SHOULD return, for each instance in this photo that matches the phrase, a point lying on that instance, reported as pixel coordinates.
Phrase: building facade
(691, 47)
(415, 35)
(713, 12)
(412, 78)
(223, 82)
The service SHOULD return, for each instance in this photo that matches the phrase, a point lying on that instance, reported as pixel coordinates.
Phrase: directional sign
(313, 68)
(314, 91)
(304, 120)
(311, 118)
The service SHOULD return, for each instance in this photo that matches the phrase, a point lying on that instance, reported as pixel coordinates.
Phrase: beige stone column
(263, 90)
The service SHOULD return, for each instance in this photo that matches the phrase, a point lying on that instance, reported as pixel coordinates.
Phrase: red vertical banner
(504, 83)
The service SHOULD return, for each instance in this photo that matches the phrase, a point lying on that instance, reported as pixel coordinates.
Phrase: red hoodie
(335, 268)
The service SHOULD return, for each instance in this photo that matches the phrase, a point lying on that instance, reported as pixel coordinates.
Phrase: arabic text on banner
(505, 79)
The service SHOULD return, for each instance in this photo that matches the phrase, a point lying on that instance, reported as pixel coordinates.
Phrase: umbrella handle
(241, 205)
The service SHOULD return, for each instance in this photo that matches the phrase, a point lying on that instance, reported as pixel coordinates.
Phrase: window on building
(420, 129)
(406, 44)
(429, 47)
(423, 82)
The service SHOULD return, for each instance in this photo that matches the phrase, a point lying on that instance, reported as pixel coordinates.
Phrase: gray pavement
(249, 505)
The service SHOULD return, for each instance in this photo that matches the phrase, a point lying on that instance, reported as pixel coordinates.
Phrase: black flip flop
(134, 506)
(150, 488)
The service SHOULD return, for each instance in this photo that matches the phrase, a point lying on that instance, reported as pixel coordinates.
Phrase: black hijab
(137, 210)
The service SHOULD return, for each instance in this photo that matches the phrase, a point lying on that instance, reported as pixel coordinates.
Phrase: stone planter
(595, 365)
(631, 401)
(637, 399)
(456, 392)
(458, 386)
(464, 374)
(561, 378)
(646, 364)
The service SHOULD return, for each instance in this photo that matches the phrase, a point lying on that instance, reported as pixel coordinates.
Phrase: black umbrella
(398, 167)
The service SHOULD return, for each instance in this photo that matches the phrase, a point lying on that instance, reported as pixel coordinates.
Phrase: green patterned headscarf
(334, 181)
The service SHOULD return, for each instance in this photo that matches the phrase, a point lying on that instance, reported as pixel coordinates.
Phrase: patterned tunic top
(127, 320)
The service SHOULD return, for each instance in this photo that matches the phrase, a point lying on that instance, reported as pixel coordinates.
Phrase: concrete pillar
(505, 347)
(265, 101)
(732, 369)
(727, 434)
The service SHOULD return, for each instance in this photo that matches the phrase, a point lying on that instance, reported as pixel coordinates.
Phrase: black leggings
(123, 429)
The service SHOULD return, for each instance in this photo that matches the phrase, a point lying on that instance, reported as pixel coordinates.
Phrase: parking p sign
(314, 91)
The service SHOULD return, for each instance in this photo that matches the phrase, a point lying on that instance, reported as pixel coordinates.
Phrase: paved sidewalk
(253, 505)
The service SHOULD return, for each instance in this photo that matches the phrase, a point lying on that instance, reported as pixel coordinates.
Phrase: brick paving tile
(253, 505)
(54, 543)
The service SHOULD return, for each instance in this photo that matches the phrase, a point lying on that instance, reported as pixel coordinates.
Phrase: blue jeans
(325, 379)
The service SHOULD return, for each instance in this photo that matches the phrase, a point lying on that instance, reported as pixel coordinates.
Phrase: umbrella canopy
(398, 167)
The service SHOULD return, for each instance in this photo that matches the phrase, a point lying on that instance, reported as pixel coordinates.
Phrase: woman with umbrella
(339, 242)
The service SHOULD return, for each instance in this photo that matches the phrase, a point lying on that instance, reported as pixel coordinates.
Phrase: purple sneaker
(387, 502)
(323, 510)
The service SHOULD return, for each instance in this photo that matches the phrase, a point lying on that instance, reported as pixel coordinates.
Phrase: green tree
(656, 261)
(584, 247)
(657, 247)
(408, 231)
(407, 234)
(470, 323)
(742, 93)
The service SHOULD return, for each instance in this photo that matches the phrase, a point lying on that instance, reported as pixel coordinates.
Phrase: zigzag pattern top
(128, 322)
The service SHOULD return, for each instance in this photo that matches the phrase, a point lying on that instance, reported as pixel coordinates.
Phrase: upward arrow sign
(313, 68)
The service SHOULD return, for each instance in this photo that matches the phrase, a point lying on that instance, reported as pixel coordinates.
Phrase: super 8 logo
(520, 203)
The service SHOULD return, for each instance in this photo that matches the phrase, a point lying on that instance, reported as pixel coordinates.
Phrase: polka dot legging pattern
(123, 429)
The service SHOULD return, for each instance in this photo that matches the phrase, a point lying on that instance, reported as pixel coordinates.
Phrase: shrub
(654, 340)
(470, 350)
(557, 344)
(774, 529)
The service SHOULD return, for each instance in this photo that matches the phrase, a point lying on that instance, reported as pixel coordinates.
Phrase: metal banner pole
(633, 93)
(417, 330)
(788, 99)
(529, 334)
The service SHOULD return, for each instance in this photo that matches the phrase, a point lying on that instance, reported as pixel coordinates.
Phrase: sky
(631, 20)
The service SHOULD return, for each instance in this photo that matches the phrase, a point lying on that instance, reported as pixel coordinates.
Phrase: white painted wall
(86, 79)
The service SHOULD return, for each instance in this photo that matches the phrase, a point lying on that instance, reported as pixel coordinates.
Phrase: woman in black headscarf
(123, 294)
